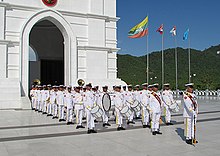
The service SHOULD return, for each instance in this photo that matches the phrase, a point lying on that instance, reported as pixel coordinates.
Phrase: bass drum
(106, 102)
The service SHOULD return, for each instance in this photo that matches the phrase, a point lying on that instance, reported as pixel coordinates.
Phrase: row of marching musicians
(61, 102)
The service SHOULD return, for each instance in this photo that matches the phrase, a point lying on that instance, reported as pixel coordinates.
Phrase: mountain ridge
(205, 66)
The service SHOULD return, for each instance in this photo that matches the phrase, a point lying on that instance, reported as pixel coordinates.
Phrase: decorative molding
(4, 42)
(9, 43)
(110, 50)
(9, 6)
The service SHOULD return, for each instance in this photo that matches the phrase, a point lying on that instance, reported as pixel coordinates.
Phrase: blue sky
(202, 17)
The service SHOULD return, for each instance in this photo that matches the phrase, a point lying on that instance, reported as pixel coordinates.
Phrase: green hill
(205, 64)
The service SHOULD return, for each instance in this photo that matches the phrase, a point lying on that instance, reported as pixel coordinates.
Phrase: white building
(55, 41)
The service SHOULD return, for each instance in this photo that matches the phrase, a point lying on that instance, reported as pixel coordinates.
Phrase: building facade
(57, 42)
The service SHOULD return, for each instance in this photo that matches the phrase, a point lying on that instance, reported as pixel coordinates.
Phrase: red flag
(160, 29)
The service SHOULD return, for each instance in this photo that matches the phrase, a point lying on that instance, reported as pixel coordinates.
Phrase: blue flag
(185, 35)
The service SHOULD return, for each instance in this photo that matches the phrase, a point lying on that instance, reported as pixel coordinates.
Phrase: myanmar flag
(139, 30)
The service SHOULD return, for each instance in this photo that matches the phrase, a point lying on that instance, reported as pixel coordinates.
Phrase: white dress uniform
(144, 95)
(156, 103)
(53, 101)
(39, 98)
(89, 104)
(129, 100)
(99, 102)
(49, 105)
(33, 98)
(190, 110)
(78, 105)
(167, 96)
(118, 100)
(45, 95)
(69, 105)
(138, 98)
(60, 102)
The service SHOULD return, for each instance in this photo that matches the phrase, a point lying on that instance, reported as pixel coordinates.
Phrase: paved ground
(27, 133)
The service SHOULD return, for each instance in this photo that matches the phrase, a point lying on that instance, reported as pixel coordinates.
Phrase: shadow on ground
(180, 132)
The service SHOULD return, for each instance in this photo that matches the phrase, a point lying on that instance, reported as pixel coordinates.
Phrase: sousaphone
(36, 82)
(81, 82)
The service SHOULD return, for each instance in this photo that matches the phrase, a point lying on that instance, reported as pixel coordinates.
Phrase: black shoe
(154, 133)
(36, 110)
(138, 117)
(33, 108)
(132, 122)
(79, 126)
(95, 121)
(55, 117)
(107, 124)
(60, 120)
(169, 123)
(89, 131)
(144, 126)
(157, 132)
(84, 118)
(122, 128)
(69, 123)
(44, 113)
(93, 131)
(104, 125)
(148, 126)
(118, 129)
(82, 126)
(39, 111)
(189, 141)
(128, 122)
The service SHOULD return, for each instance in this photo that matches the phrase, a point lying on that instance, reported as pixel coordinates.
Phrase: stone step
(10, 104)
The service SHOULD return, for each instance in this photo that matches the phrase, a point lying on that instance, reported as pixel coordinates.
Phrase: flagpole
(189, 53)
(162, 63)
(147, 61)
(176, 62)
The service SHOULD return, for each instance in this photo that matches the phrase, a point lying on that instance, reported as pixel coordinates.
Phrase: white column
(3, 60)
(2, 23)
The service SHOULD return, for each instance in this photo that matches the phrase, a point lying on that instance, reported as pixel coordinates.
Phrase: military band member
(33, 97)
(119, 103)
(78, 106)
(69, 105)
(99, 102)
(39, 98)
(144, 94)
(156, 103)
(53, 100)
(129, 100)
(138, 98)
(45, 95)
(89, 104)
(190, 113)
(60, 102)
(49, 102)
(167, 96)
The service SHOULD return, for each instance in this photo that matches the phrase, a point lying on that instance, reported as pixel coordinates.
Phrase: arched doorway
(48, 44)
(69, 45)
